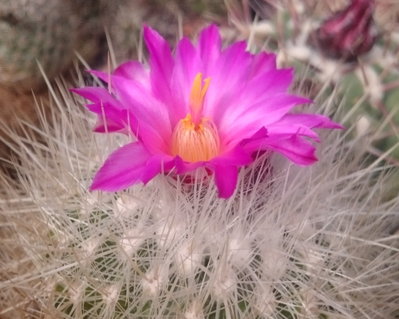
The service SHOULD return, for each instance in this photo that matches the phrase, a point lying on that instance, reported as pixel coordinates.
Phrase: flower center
(196, 138)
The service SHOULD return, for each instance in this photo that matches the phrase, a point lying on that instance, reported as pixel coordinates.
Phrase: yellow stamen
(197, 94)
(195, 142)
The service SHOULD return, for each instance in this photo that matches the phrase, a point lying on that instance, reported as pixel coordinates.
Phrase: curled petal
(293, 147)
(302, 124)
(133, 70)
(310, 120)
(110, 119)
(126, 166)
(97, 95)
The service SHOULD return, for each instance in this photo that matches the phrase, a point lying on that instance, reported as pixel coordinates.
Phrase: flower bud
(348, 33)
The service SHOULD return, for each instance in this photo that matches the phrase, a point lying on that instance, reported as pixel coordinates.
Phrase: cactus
(320, 242)
(299, 243)
(48, 32)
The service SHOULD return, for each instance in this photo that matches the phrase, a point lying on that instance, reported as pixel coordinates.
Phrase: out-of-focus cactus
(46, 32)
(313, 243)
(49, 33)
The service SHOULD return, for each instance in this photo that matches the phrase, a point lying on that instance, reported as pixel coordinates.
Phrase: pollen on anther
(195, 142)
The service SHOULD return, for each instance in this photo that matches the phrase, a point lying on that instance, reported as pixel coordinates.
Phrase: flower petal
(97, 95)
(227, 79)
(187, 66)
(111, 116)
(301, 124)
(105, 125)
(161, 63)
(240, 124)
(209, 45)
(310, 120)
(146, 108)
(110, 119)
(225, 168)
(226, 179)
(126, 166)
(267, 83)
(237, 156)
(114, 115)
(263, 62)
(133, 70)
(293, 147)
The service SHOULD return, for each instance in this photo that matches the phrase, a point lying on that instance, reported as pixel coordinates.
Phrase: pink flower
(202, 106)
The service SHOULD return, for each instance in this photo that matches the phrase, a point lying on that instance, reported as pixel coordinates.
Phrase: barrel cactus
(319, 242)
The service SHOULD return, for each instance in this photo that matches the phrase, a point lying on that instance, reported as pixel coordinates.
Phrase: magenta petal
(267, 83)
(298, 124)
(183, 167)
(226, 180)
(161, 62)
(143, 105)
(233, 63)
(226, 169)
(111, 120)
(126, 166)
(109, 126)
(227, 79)
(301, 124)
(263, 62)
(188, 64)
(294, 129)
(111, 116)
(209, 45)
(238, 156)
(309, 120)
(96, 95)
(104, 76)
(239, 124)
(150, 122)
(132, 70)
(293, 147)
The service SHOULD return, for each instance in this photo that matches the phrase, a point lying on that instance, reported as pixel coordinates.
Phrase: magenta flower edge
(202, 106)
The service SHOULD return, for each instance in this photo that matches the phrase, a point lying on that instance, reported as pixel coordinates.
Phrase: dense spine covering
(315, 242)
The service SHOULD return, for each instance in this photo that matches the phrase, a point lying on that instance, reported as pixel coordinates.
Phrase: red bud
(348, 33)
